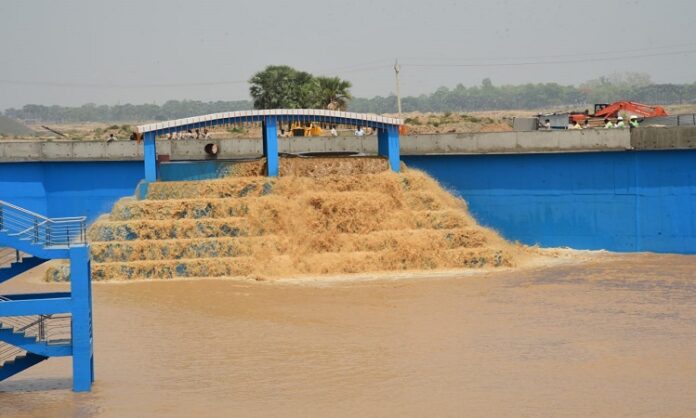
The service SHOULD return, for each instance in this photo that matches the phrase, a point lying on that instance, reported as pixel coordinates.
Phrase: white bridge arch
(281, 115)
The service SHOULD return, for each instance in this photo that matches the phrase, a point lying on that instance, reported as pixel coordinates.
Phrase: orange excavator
(615, 109)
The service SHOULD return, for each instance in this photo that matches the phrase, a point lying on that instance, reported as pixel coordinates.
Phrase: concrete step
(130, 209)
(173, 229)
(173, 249)
(229, 187)
(183, 208)
(272, 245)
(341, 218)
(236, 187)
(330, 262)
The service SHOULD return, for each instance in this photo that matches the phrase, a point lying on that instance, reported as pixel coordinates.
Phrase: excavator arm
(632, 108)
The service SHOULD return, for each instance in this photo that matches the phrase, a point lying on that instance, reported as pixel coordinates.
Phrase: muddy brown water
(612, 337)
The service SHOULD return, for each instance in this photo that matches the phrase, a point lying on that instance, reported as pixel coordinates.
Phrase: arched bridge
(387, 131)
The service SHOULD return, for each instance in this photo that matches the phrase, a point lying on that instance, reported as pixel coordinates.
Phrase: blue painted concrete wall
(60, 189)
(196, 170)
(620, 201)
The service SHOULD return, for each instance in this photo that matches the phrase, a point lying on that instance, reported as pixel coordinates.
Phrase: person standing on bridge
(575, 125)
(620, 123)
(608, 124)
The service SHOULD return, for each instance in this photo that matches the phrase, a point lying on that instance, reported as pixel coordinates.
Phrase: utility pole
(397, 69)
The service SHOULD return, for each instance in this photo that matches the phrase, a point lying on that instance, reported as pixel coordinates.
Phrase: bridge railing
(38, 229)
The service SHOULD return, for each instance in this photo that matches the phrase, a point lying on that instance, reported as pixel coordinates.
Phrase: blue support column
(270, 145)
(150, 157)
(81, 290)
(388, 146)
(382, 141)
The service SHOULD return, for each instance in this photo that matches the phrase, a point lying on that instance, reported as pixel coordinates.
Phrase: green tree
(282, 87)
(333, 93)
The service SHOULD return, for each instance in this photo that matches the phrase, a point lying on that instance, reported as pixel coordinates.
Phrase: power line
(352, 67)
(41, 83)
(574, 61)
(368, 67)
(585, 54)
(119, 85)
(362, 70)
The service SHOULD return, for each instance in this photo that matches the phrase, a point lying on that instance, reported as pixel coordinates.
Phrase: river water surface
(611, 337)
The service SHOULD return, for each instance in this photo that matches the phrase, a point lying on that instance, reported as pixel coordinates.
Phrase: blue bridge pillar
(388, 146)
(150, 157)
(270, 145)
(81, 292)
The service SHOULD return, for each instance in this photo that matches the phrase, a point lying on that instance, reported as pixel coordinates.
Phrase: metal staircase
(27, 340)
(20, 362)
(34, 327)
(39, 230)
(14, 262)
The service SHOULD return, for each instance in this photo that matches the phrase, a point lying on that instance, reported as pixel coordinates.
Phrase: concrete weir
(463, 143)
(594, 140)
(622, 190)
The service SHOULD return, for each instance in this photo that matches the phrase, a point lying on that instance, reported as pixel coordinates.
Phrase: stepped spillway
(321, 216)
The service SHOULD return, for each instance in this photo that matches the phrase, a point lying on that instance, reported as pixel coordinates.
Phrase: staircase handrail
(20, 209)
(28, 225)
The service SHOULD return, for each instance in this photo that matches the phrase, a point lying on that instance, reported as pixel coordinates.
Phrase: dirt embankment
(416, 122)
(455, 122)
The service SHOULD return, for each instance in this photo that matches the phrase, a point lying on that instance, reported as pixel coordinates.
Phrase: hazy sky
(108, 52)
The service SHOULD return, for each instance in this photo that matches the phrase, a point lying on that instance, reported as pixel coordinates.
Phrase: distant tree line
(630, 86)
(172, 109)
(284, 87)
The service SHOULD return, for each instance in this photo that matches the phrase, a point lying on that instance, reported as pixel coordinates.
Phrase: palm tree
(280, 86)
(333, 93)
